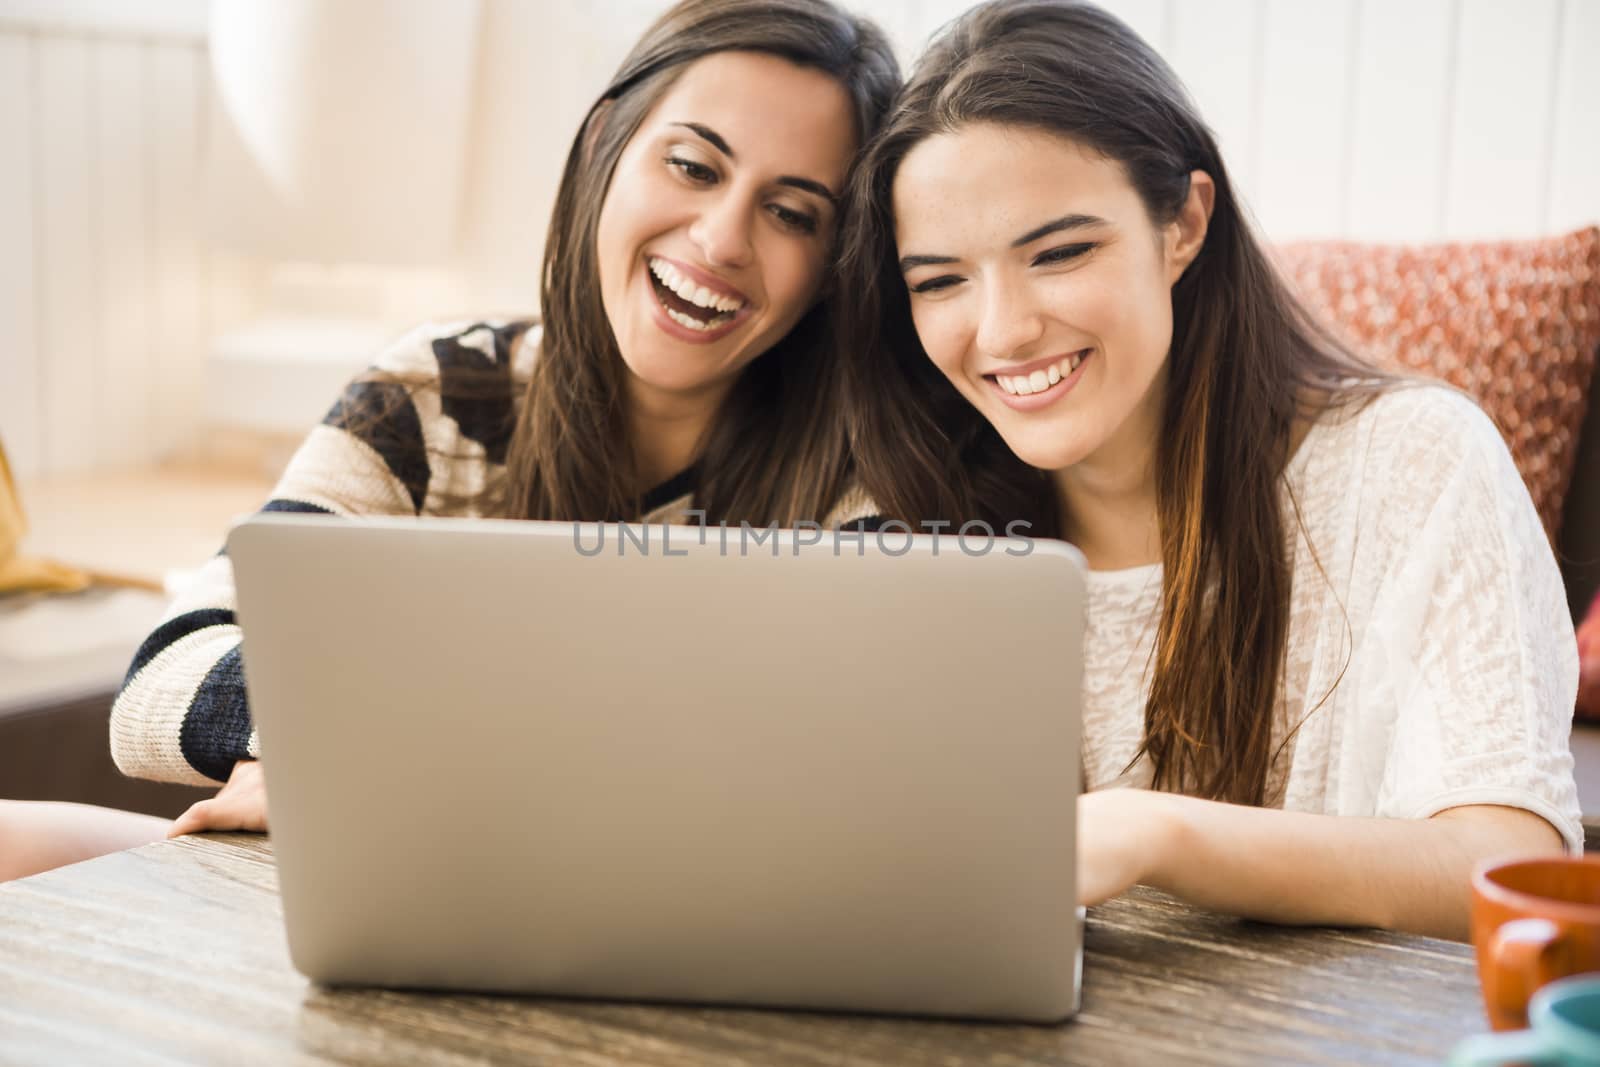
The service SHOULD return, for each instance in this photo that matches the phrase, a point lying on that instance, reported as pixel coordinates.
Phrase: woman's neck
(1111, 517)
(1108, 499)
(668, 430)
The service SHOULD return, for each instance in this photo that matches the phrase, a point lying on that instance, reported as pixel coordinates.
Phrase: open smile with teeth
(688, 304)
(1040, 380)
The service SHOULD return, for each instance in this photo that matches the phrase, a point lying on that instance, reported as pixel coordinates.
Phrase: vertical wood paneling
(123, 195)
(171, 19)
(1305, 93)
(899, 19)
(927, 17)
(1574, 192)
(1216, 49)
(68, 277)
(1501, 126)
(1405, 55)
(177, 331)
(20, 426)
(1148, 18)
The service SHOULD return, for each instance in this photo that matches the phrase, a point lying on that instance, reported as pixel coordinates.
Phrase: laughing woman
(683, 361)
(1329, 661)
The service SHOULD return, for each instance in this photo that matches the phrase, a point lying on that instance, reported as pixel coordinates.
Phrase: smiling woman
(1328, 664)
(691, 234)
(683, 364)
(714, 234)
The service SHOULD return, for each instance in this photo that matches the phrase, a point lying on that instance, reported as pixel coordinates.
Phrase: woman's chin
(666, 374)
(1044, 451)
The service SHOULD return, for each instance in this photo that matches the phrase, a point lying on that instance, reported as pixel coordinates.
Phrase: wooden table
(174, 953)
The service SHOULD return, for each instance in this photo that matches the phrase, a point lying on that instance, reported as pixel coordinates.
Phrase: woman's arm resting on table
(241, 804)
(38, 835)
(1297, 868)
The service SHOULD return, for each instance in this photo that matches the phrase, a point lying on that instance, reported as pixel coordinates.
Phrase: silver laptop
(791, 769)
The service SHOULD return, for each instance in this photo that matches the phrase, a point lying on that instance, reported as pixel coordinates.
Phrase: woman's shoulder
(438, 349)
(436, 406)
(1411, 428)
(1406, 456)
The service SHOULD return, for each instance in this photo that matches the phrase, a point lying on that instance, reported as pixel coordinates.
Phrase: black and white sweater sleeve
(182, 715)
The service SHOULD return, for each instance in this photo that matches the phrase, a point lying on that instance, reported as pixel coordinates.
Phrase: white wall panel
(1150, 19)
(1574, 177)
(1501, 123)
(21, 428)
(177, 330)
(1405, 60)
(68, 278)
(123, 200)
(1305, 91)
(1217, 51)
(525, 116)
(173, 19)
(924, 18)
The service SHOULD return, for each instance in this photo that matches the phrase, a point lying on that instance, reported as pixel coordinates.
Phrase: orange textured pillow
(1514, 323)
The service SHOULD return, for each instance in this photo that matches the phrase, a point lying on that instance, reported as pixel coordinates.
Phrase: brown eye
(798, 221)
(1061, 254)
(698, 173)
(933, 285)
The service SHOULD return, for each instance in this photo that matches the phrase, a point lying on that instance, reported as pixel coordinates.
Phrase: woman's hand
(1123, 836)
(241, 804)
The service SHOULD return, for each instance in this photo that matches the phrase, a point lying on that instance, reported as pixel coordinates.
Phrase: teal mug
(1563, 1031)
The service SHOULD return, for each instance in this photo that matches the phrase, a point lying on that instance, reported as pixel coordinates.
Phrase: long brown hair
(1245, 363)
(777, 449)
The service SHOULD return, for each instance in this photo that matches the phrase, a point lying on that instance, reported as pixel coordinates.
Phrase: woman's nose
(722, 232)
(1009, 322)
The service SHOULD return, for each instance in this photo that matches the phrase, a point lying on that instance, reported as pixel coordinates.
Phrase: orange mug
(1533, 921)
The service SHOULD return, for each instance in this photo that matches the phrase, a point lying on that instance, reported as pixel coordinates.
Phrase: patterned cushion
(1514, 323)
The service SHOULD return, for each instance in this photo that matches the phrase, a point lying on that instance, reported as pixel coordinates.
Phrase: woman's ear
(1187, 233)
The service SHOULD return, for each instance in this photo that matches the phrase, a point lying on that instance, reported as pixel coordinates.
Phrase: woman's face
(1041, 289)
(719, 219)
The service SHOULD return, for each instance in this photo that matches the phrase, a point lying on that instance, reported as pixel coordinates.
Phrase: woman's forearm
(1297, 868)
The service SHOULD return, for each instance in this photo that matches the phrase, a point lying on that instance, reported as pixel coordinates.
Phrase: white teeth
(1039, 380)
(698, 295)
(686, 320)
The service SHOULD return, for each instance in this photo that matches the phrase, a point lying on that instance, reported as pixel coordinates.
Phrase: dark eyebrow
(711, 135)
(811, 187)
(715, 139)
(1065, 222)
(913, 262)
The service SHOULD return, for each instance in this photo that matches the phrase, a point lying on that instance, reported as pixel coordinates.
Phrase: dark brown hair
(1245, 364)
(777, 450)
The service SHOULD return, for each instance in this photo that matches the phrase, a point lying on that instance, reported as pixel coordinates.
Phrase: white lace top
(1438, 599)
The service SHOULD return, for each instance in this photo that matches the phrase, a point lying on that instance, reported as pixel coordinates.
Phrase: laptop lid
(736, 766)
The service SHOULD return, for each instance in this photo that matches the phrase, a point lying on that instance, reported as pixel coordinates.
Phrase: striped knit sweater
(383, 449)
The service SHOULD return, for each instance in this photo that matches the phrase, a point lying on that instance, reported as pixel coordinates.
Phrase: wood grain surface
(174, 953)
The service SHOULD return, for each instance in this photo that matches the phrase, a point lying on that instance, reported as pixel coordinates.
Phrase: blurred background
(211, 211)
